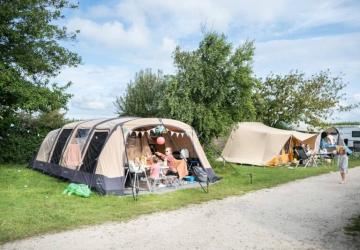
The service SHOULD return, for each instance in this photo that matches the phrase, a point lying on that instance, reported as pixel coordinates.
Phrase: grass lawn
(32, 203)
(353, 228)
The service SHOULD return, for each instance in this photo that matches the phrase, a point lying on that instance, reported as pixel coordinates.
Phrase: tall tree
(143, 96)
(293, 98)
(31, 54)
(213, 86)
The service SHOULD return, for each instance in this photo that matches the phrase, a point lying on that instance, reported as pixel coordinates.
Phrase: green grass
(353, 228)
(32, 203)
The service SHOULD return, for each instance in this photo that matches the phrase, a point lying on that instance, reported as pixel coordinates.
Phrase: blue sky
(119, 38)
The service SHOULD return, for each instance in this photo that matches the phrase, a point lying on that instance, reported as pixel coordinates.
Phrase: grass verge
(353, 229)
(32, 203)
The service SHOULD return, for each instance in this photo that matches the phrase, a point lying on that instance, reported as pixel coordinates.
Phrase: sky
(119, 38)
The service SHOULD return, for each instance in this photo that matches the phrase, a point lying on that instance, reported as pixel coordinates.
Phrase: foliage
(23, 134)
(294, 98)
(23, 191)
(143, 97)
(30, 56)
(345, 123)
(213, 86)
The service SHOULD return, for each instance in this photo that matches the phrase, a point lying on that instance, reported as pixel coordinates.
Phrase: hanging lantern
(160, 140)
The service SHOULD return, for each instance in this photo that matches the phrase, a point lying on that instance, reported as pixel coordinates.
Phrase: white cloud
(168, 44)
(95, 89)
(143, 34)
(338, 53)
(185, 17)
(112, 33)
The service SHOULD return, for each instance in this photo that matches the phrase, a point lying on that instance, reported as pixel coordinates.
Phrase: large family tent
(257, 144)
(96, 152)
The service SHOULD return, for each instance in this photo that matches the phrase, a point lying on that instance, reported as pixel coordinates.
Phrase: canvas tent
(257, 144)
(95, 152)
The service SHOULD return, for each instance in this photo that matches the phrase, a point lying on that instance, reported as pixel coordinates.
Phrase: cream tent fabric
(256, 144)
(96, 152)
(46, 145)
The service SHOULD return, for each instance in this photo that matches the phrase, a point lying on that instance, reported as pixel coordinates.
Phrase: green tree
(143, 96)
(30, 55)
(293, 98)
(213, 86)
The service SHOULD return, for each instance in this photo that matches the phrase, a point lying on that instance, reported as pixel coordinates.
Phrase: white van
(351, 133)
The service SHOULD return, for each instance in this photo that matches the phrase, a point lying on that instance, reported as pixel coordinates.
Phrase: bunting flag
(172, 133)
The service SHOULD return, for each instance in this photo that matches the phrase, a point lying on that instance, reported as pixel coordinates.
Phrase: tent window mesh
(81, 136)
(92, 154)
(60, 144)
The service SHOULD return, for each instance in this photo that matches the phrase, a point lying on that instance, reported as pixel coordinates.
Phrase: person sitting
(170, 159)
(307, 149)
(325, 144)
(176, 167)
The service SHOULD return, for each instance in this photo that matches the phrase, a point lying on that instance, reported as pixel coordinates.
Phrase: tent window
(92, 154)
(81, 136)
(60, 144)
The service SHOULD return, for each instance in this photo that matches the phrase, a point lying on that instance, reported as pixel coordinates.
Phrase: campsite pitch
(305, 214)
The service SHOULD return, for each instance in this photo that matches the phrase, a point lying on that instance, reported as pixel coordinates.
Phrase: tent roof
(128, 122)
(256, 143)
(262, 128)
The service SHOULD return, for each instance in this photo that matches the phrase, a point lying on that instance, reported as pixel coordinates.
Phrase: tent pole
(127, 162)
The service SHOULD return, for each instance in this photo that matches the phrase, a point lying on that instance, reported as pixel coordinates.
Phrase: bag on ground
(78, 189)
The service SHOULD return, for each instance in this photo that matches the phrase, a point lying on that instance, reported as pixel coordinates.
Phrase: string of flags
(172, 133)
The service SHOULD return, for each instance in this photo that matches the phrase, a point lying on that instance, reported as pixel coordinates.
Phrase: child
(155, 168)
(342, 163)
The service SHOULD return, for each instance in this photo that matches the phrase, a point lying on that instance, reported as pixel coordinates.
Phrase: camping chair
(137, 170)
(200, 174)
(307, 160)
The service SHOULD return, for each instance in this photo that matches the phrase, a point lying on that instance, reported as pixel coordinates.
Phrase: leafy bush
(21, 135)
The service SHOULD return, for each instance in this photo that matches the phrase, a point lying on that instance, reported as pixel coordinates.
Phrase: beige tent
(257, 144)
(96, 152)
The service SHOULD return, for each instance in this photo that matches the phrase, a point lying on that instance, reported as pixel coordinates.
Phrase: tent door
(60, 144)
(92, 154)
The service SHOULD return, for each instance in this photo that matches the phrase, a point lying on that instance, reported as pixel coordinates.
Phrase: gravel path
(305, 214)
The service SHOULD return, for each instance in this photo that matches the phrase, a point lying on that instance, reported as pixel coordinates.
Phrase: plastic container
(190, 179)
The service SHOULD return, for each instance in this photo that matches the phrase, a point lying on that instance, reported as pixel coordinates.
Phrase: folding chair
(304, 158)
(137, 170)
